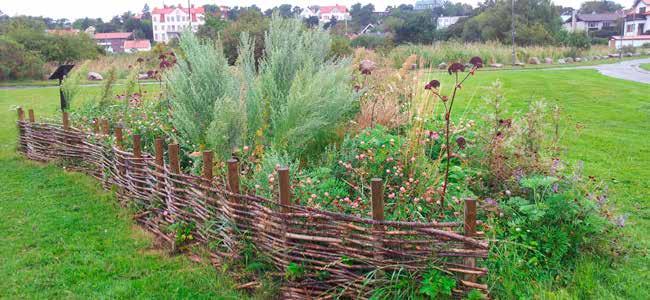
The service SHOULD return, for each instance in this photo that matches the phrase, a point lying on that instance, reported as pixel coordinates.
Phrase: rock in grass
(95, 76)
(442, 66)
(548, 60)
(561, 61)
(569, 60)
(533, 61)
(495, 65)
(578, 59)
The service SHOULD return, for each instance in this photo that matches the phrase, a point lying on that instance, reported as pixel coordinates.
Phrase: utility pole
(512, 28)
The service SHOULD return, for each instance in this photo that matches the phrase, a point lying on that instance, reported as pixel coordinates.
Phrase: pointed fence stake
(32, 119)
(285, 191)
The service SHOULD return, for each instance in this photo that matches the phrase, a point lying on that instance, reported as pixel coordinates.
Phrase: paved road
(627, 70)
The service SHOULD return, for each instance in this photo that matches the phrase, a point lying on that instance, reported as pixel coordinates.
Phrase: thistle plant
(448, 103)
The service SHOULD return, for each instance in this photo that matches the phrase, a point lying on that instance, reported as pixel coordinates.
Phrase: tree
(536, 21)
(410, 26)
(361, 16)
(311, 22)
(599, 7)
(248, 20)
(213, 26)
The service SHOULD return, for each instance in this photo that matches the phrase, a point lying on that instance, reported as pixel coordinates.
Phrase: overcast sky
(73, 9)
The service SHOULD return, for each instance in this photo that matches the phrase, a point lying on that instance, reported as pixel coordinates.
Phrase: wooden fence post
(470, 231)
(21, 114)
(95, 126)
(119, 138)
(137, 146)
(377, 186)
(207, 165)
(174, 163)
(66, 121)
(285, 190)
(160, 161)
(377, 190)
(233, 176)
(103, 124)
(32, 119)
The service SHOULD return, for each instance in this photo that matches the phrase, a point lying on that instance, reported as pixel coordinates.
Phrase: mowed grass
(63, 236)
(605, 124)
(645, 67)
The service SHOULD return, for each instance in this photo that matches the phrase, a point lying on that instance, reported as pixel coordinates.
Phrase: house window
(157, 37)
(642, 10)
(630, 28)
(155, 27)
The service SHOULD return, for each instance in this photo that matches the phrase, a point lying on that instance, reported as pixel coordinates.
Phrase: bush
(340, 47)
(371, 41)
(18, 63)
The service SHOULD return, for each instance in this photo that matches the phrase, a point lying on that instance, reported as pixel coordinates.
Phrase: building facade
(427, 4)
(636, 31)
(113, 42)
(592, 22)
(338, 12)
(444, 22)
(170, 21)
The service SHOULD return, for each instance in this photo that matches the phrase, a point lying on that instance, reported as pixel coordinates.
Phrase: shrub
(371, 41)
(18, 63)
(340, 47)
(200, 79)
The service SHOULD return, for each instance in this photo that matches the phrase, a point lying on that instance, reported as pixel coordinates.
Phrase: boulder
(548, 60)
(627, 54)
(561, 61)
(143, 76)
(443, 66)
(495, 65)
(578, 59)
(533, 61)
(569, 60)
(519, 64)
(95, 76)
(613, 55)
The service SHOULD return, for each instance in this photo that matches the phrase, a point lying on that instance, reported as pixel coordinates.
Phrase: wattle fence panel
(341, 255)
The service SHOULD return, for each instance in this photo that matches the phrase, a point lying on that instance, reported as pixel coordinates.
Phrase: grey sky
(73, 9)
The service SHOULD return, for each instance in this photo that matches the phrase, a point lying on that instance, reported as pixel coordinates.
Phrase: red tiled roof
(166, 10)
(113, 35)
(328, 9)
(137, 44)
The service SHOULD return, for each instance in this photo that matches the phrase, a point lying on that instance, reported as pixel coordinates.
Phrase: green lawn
(645, 67)
(63, 236)
(63, 239)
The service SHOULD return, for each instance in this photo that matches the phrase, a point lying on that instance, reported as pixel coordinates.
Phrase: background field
(65, 237)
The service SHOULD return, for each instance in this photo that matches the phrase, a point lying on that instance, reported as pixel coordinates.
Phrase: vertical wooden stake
(233, 176)
(31, 116)
(119, 138)
(160, 161)
(174, 164)
(285, 191)
(21, 114)
(66, 121)
(160, 158)
(470, 231)
(95, 126)
(103, 124)
(207, 165)
(137, 146)
(377, 186)
(377, 190)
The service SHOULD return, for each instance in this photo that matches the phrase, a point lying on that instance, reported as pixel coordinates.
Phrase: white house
(168, 22)
(338, 12)
(591, 22)
(636, 31)
(444, 22)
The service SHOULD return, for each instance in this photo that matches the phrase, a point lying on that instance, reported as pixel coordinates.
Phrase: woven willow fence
(346, 248)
